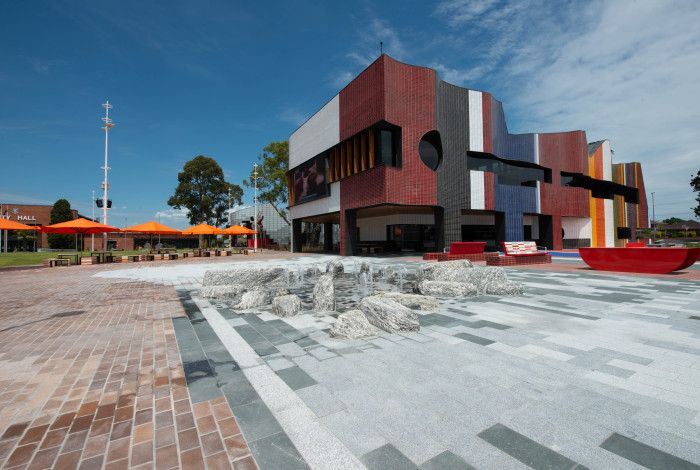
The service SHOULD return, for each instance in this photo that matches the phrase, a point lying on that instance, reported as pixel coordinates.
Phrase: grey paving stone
(474, 339)
(278, 363)
(295, 377)
(276, 452)
(291, 349)
(255, 420)
(322, 353)
(616, 371)
(446, 461)
(320, 400)
(238, 391)
(387, 457)
(353, 432)
(645, 455)
(524, 449)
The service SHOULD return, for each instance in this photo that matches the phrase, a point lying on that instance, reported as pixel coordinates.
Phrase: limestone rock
(335, 267)
(255, 297)
(221, 292)
(451, 271)
(412, 301)
(352, 324)
(494, 281)
(324, 294)
(389, 315)
(446, 288)
(248, 277)
(286, 305)
(311, 271)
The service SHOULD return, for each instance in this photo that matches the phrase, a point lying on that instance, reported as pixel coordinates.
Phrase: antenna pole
(105, 184)
(92, 237)
(255, 207)
(230, 237)
(381, 48)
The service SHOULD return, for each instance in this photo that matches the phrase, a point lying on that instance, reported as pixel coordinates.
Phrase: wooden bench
(52, 262)
(172, 256)
(519, 253)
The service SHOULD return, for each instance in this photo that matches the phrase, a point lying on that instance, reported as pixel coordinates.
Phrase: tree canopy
(673, 220)
(203, 190)
(695, 184)
(61, 212)
(272, 176)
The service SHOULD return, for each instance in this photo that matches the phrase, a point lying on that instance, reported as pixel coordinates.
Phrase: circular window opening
(430, 149)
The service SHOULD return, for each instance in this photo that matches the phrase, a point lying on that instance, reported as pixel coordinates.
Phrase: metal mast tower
(255, 208)
(108, 124)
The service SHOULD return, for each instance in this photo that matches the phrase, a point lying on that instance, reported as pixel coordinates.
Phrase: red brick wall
(42, 214)
(565, 151)
(403, 95)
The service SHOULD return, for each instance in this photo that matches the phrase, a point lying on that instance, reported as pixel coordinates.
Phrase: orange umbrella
(203, 229)
(6, 224)
(153, 228)
(81, 226)
(238, 230)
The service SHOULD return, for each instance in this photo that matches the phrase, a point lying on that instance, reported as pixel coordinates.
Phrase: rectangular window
(386, 147)
(624, 233)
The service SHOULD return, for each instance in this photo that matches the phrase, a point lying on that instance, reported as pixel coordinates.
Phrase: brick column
(348, 231)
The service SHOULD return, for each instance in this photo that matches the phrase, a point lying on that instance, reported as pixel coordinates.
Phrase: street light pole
(105, 184)
(230, 237)
(255, 207)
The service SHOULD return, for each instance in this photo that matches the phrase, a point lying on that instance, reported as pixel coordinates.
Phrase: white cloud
(173, 214)
(293, 116)
(622, 71)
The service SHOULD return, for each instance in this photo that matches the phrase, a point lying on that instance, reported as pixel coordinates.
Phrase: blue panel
(512, 146)
(514, 201)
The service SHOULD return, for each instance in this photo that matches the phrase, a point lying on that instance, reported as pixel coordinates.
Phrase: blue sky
(225, 78)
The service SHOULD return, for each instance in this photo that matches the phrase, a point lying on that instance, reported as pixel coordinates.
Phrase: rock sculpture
(412, 301)
(389, 315)
(446, 288)
(221, 292)
(324, 293)
(247, 277)
(256, 297)
(286, 305)
(352, 324)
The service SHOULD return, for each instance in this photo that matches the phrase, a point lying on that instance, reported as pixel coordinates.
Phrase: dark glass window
(624, 232)
(509, 172)
(430, 150)
(386, 147)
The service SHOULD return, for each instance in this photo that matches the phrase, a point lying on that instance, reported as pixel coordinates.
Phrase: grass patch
(30, 258)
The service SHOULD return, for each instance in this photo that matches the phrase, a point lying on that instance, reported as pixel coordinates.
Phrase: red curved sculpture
(640, 260)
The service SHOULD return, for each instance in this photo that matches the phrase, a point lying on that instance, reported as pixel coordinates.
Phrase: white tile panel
(476, 121)
(319, 133)
(577, 227)
(607, 160)
(610, 228)
(319, 206)
(476, 187)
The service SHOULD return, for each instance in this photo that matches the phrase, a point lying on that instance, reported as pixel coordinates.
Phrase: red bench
(636, 245)
(516, 253)
(472, 251)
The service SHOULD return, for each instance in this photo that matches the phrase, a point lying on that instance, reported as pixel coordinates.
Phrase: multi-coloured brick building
(403, 160)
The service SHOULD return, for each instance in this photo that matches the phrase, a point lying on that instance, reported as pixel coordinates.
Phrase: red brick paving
(91, 377)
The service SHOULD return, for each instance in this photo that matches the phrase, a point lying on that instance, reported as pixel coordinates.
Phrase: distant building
(274, 227)
(400, 159)
(29, 214)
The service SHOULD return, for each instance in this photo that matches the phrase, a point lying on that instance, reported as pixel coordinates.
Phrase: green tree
(203, 191)
(673, 220)
(26, 239)
(272, 176)
(61, 212)
(695, 184)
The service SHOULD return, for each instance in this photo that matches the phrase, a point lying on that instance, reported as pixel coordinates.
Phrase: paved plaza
(116, 367)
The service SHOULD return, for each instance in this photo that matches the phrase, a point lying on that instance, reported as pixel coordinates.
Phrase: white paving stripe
(319, 447)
